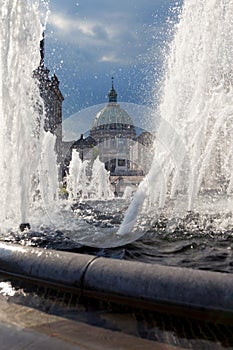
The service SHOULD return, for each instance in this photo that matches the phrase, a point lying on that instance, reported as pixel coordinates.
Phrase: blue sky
(89, 41)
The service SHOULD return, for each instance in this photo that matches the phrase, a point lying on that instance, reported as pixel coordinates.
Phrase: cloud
(88, 35)
(110, 58)
(108, 34)
(104, 38)
(66, 26)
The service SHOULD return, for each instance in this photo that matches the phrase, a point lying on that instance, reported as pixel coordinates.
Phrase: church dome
(112, 113)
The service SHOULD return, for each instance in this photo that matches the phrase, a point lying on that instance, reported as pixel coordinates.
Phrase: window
(121, 162)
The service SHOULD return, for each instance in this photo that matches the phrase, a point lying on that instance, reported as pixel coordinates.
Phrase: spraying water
(84, 182)
(23, 141)
(192, 151)
(28, 170)
(74, 175)
(100, 185)
(193, 147)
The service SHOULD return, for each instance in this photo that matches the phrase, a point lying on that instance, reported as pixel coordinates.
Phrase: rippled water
(195, 241)
(200, 252)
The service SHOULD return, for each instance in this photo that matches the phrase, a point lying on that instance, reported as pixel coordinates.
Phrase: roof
(84, 142)
(112, 114)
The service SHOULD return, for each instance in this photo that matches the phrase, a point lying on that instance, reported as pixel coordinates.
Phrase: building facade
(113, 130)
(114, 138)
(52, 103)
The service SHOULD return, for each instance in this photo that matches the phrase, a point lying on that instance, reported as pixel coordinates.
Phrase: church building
(114, 138)
(52, 100)
(113, 130)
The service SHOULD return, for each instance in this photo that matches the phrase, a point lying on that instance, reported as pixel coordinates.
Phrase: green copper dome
(112, 113)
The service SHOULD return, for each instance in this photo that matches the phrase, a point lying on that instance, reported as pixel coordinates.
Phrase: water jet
(192, 166)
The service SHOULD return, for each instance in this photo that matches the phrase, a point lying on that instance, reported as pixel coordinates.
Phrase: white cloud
(108, 39)
(105, 28)
(68, 25)
(110, 58)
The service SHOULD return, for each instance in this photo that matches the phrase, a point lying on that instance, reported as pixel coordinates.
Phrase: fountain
(31, 207)
(76, 180)
(86, 183)
(100, 185)
(192, 166)
(23, 140)
(191, 173)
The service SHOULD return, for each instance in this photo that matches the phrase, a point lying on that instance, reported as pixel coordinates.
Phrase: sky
(89, 41)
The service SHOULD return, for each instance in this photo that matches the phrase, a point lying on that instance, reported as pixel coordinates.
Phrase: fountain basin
(204, 295)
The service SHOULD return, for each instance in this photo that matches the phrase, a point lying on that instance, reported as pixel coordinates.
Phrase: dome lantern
(112, 95)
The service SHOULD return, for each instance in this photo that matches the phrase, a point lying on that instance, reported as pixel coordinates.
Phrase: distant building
(113, 129)
(114, 138)
(52, 99)
(85, 147)
(141, 152)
